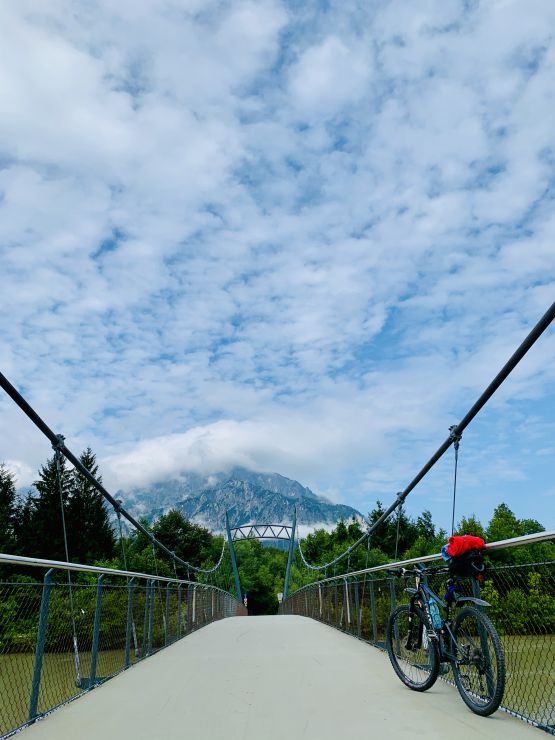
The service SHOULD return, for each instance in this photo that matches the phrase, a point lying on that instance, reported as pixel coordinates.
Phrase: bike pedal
(443, 669)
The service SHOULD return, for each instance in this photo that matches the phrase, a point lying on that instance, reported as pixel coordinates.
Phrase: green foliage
(33, 527)
(88, 525)
(261, 573)
(190, 542)
(471, 525)
(36, 527)
(505, 525)
(46, 539)
(386, 534)
(8, 510)
(521, 605)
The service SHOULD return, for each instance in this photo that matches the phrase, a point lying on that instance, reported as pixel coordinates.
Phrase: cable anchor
(59, 444)
(455, 436)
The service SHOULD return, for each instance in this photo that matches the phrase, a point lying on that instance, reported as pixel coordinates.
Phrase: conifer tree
(45, 510)
(91, 536)
(25, 537)
(8, 511)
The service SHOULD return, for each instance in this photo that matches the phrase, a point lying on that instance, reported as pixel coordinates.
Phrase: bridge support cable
(58, 444)
(456, 443)
(76, 657)
(233, 558)
(455, 434)
(290, 554)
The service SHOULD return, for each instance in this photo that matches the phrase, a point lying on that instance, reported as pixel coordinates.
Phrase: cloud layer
(278, 236)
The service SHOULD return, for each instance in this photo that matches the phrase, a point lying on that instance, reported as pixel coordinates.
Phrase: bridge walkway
(272, 678)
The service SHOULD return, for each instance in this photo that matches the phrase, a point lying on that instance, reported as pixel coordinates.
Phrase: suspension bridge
(318, 669)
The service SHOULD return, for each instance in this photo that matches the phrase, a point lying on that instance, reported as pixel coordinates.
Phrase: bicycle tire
(417, 668)
(479, 672)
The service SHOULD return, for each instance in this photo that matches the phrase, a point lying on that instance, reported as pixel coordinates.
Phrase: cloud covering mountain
(247, 497)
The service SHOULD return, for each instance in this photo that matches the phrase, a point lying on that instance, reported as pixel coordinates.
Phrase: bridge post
(232, 553)
(392, 593)
(151, 615)
(96, 631)
(290, 555)
(129, 629)
(179, 596)
(167, 635)
(357, 606)
(347, 606)
(189, 624)
(41, 640)
(145, 620)
(373, 610)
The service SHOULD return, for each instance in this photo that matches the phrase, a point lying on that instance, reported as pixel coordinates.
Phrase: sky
(300, 237)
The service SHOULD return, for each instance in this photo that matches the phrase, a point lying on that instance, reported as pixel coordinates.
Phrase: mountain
(249, 497)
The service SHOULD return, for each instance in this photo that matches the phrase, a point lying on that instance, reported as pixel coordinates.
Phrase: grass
(58, 682)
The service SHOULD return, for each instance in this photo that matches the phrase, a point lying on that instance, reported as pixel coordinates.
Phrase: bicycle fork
(414, 641)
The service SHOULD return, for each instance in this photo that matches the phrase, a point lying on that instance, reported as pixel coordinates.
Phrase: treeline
(32, 525)
(398, 537)
(402, 537)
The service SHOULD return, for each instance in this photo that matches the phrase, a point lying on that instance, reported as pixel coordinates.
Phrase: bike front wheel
(479, 670)
(413, 656)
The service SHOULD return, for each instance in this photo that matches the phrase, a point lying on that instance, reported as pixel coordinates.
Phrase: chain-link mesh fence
(60, 637)
(522, 598)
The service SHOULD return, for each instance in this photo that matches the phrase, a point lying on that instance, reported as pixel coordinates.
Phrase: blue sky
(299, 237)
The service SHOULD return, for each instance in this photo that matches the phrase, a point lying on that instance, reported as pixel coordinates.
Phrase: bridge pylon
(262, 532)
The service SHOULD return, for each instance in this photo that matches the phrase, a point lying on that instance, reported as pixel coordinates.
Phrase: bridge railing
(519, 585)
(65, 628)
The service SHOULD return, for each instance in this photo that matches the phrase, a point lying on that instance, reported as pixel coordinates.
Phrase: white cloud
(243, 233)
(328, 76)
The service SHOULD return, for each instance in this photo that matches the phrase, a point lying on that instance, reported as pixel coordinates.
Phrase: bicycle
(419, 641)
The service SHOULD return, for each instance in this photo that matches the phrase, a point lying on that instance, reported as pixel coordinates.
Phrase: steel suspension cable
(455, 433)
(58, 442)
(456, 443)
(124, 556)
(58, 464)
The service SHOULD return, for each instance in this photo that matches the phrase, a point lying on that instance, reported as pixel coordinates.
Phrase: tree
(8, 511)
(503, 525)
(189, 541)
(25, 536)
(385, 537)
(424, 526)
(261, 573)
(45, 510)
(471, 525)
(90, 532)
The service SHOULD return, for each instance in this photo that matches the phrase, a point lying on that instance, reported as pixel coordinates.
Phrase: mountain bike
(421, 643)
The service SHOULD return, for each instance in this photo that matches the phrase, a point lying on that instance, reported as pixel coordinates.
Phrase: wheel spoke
(479, 671)
(412, 656)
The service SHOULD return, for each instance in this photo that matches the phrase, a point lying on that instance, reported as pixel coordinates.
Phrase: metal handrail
(62, 565)
(527, 539)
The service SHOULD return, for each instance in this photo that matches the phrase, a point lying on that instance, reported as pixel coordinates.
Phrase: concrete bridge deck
(269, 678)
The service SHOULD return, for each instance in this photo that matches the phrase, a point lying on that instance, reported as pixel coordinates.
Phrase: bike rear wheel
(413, 656)
(479, 670)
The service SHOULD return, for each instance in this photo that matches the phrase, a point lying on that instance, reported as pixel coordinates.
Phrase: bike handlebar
(401, 572)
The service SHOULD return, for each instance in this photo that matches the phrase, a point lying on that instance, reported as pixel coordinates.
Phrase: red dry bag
(461, 544)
